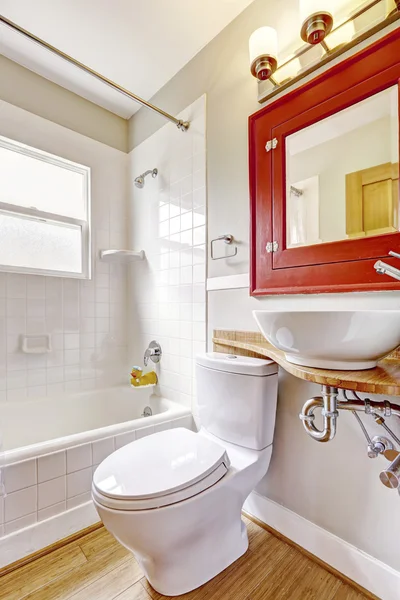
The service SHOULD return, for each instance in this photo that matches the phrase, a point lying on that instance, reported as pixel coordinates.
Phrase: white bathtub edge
(10, 457)
(35, 537)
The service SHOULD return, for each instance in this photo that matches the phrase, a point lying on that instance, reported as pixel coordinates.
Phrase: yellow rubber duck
(140, 380)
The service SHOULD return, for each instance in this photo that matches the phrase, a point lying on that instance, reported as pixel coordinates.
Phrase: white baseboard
(367, 571)
(228, 282)
(35, 537)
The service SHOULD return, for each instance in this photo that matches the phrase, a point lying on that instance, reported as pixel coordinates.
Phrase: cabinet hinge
(271, 145)
(272, 247)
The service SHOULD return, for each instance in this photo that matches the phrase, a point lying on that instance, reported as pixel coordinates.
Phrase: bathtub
(35, 428)
(50, 450)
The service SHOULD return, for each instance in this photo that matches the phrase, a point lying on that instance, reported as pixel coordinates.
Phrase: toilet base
(183, 545)
(179, 573)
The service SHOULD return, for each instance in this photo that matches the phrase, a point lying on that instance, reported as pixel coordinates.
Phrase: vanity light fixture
(263, 48)
(317, 20)
(324, 23)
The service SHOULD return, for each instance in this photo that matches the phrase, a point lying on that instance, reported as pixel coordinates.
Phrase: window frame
(57, 219)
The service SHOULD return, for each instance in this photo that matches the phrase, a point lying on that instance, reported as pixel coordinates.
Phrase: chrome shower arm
(147, 172)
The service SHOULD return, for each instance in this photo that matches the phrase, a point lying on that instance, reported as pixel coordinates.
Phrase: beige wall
(37, 95)
(334, 485)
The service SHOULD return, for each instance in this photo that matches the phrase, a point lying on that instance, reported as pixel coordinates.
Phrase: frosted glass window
(41, 245)
(44, 212)
(44, 186)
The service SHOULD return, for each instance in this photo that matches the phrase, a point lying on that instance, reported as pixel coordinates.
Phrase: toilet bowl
(175, 497)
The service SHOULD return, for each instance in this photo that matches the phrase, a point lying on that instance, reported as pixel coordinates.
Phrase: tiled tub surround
(48, 480)
(168, 221)
(85, 318)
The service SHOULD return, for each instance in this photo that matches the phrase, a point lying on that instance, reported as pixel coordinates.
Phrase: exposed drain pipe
(330, 405)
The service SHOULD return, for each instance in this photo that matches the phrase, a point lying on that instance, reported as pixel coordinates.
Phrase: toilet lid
(152, 471)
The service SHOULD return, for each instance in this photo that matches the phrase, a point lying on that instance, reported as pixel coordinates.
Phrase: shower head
(139, 181)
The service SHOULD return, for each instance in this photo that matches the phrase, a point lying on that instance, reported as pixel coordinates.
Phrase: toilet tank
(237, 398)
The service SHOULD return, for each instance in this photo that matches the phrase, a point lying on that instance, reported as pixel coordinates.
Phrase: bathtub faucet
(384, 269)
(153, 352)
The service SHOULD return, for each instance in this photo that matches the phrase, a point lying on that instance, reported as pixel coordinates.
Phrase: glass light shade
(341, 36)
(263, 42)
(309, 7)
(334, 7)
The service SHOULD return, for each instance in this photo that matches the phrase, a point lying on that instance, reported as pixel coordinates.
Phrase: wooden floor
(96, 567)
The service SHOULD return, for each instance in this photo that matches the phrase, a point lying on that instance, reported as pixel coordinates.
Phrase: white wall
(86, 319)
(168, 221)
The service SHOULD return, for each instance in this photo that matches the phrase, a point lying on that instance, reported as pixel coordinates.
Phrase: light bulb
(263, 48)
(288, 71)
(342, 35)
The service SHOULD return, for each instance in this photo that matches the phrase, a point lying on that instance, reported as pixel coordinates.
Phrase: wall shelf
(384, 379)
(121, 256)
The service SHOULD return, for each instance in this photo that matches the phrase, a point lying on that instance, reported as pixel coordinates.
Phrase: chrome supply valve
(153, 353)
(379, 445)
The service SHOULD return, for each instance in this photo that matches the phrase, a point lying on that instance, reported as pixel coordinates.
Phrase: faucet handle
(153, 352)
(395, 254)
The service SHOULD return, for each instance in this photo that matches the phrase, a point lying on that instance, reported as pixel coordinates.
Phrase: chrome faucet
(384, 269)
(153, 352)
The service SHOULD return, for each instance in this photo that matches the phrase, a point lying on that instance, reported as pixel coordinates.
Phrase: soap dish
(36, 344)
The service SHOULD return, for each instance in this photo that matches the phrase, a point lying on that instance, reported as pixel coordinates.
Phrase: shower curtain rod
(182, 125)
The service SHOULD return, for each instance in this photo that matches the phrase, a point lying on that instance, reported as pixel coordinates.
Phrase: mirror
(342, 174)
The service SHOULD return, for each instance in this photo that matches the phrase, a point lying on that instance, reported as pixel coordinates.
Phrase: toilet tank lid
(242, 365)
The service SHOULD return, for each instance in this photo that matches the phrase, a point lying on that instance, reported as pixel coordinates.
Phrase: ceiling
(139, 44)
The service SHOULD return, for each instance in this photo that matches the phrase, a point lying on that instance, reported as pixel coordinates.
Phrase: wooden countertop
(384, 379)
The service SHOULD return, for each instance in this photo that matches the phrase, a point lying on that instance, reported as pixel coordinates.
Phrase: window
(44, 213)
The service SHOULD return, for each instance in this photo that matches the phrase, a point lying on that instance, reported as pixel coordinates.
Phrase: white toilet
(175, 498)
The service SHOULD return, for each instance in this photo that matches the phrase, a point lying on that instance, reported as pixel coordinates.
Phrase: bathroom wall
(333, 485)
(86, 319)
(168, 221)
(55, 103)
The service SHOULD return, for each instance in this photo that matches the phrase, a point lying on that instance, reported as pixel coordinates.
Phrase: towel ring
(228, 239)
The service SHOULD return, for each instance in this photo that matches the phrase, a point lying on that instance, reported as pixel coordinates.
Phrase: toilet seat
(159, 470)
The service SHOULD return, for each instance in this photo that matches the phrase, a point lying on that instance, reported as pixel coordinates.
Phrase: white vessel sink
(344, 340)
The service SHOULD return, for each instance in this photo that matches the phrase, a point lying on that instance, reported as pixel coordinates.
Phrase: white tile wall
(52, 466)
(168, 221)
(51, 492)
(86, 319)
(79, 458)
